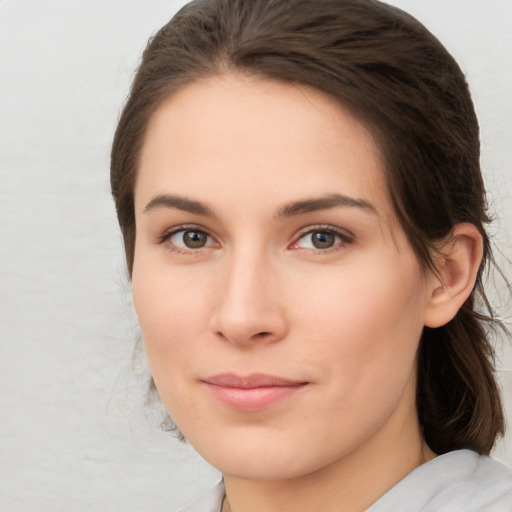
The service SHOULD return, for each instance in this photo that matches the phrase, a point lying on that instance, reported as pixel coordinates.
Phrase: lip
(252, 392)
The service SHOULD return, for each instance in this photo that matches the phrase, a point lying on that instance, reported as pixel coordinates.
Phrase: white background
(74, 432)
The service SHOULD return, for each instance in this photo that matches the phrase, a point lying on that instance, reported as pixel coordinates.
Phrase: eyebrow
(323, 203)
(290, 209)
(178, 203)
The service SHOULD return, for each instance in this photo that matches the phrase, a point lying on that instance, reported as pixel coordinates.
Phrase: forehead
(259, 139)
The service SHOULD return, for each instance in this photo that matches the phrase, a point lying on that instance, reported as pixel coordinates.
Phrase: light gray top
(459, 481)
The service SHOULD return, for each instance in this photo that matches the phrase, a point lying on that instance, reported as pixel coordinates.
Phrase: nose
(248, 306)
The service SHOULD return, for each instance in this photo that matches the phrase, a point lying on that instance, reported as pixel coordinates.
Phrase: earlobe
(457, 264)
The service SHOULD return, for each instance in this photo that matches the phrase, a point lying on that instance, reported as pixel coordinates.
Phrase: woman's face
(280, 302)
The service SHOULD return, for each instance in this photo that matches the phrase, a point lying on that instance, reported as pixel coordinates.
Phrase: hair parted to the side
(405, 87)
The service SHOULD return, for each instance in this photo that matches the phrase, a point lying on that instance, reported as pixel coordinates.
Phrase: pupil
(323, 239)
(194, 239)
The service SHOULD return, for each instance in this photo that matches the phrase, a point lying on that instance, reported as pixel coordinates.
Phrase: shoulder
(209, 502)
(459, 481)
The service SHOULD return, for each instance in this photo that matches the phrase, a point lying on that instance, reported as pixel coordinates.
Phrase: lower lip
(253, 399)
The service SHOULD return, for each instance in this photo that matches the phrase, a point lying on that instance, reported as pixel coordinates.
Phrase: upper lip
(256, 380)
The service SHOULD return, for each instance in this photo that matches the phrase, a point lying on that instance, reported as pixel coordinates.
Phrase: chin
(259, 468)
(256, 457)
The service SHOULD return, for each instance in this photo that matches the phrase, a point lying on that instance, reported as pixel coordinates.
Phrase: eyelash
(165, 237)
(345, 239)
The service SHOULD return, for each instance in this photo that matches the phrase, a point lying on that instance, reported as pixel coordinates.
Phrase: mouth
(253, 392)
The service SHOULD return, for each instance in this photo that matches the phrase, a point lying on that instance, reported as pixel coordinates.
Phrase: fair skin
(266, 245)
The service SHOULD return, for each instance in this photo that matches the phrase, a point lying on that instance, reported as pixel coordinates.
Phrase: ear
(457, 265)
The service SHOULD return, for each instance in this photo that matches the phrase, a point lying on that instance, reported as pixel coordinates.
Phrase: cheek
(376, 296)
(369, 320)
(364, 335)
(172, 310)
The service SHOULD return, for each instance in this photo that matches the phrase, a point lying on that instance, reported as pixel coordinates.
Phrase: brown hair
(401, 82)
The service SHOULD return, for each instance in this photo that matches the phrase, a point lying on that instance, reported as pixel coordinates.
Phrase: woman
(303, 212)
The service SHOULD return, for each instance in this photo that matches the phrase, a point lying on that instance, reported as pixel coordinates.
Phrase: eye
(321, 239)
(189, 239)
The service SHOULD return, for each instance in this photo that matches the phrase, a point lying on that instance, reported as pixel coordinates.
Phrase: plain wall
(75, 434)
